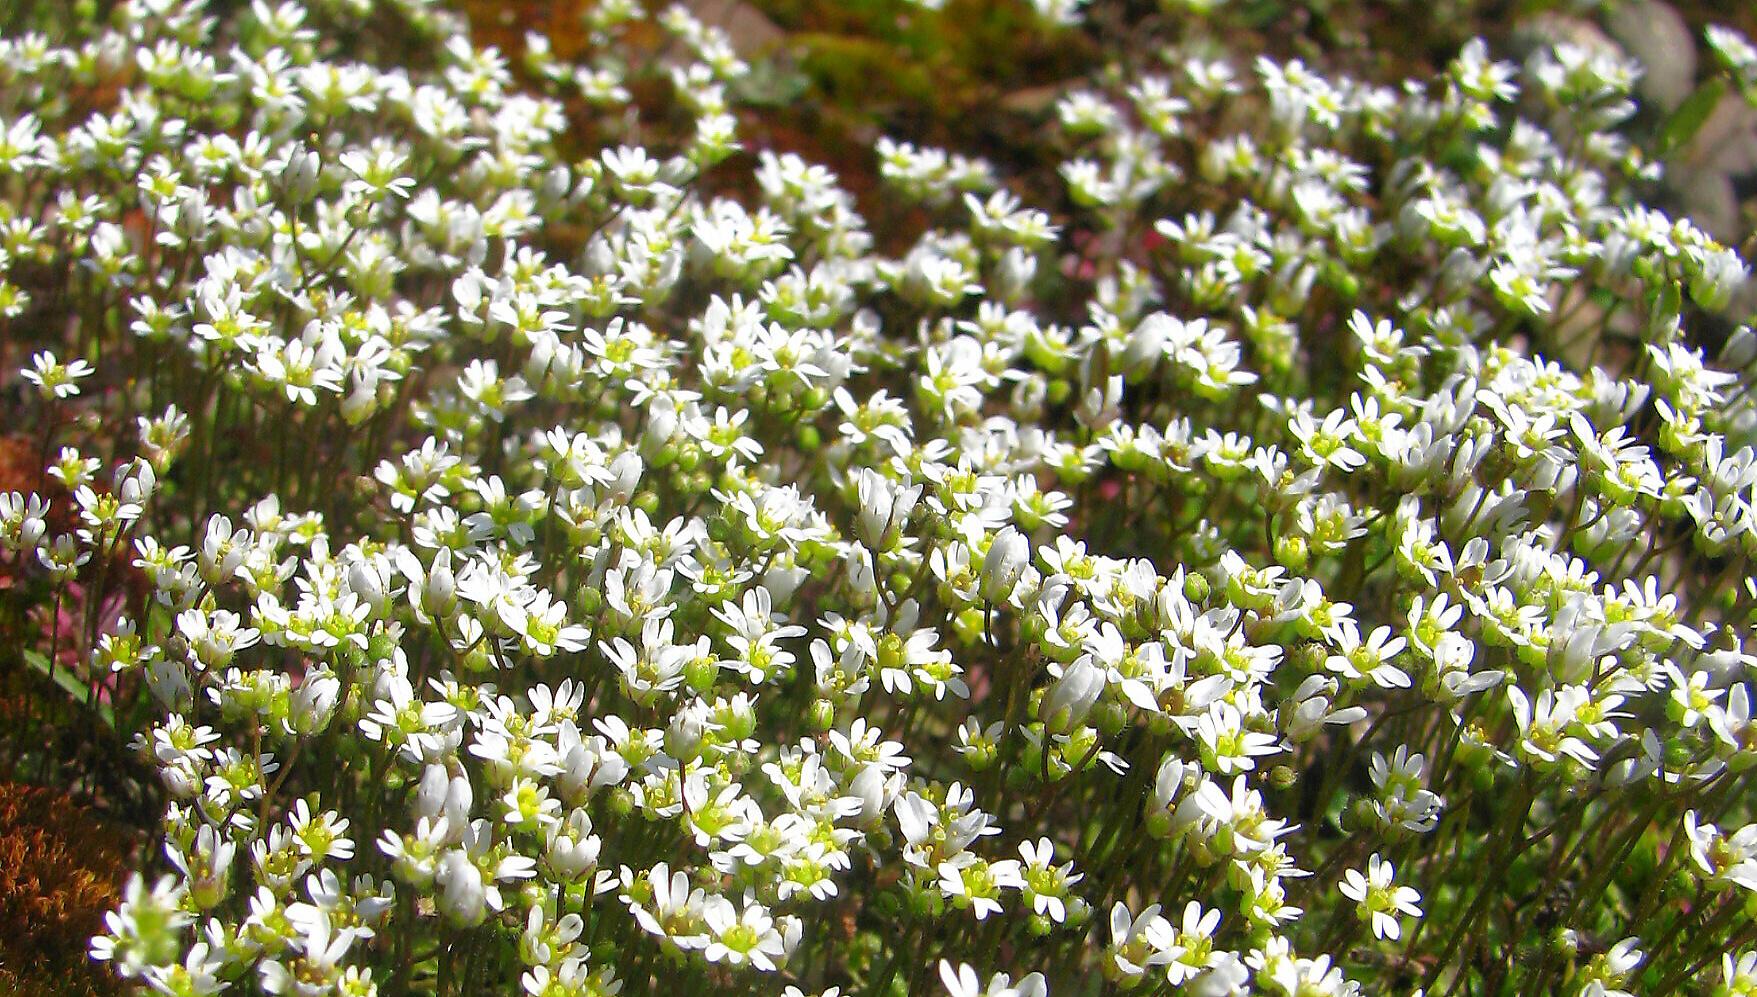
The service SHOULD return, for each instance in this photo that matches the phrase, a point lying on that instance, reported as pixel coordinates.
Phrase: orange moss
(61, 869)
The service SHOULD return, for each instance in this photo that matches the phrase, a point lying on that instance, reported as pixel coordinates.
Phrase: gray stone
(1547, 28)
(750, 31)
(1727, 141)
(1653, 33)
(1707, 199)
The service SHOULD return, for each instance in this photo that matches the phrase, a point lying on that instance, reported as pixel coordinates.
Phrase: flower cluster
(535, 538)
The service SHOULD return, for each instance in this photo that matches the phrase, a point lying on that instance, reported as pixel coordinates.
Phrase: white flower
(1137, 944)
(743, 936)
(1381, 901)
(1729, 859)
(977, 883)
(54, 379)
(463, 892)
(1008, 555)
(961, 981)
(1226, 745)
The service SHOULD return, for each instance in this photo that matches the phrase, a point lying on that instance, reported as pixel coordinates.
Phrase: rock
(750, 31)
(1707, 198)
(1655, 35)
(1550, 28)
(1706, 174)
(1727, 141)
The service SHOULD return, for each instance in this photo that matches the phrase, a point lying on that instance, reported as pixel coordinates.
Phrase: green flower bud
(1197, 588)
(1292, 552)
(1360, 816)
(1110, 717)
(620, 801)
(1159, 824)
(926, 904)
(701, 673)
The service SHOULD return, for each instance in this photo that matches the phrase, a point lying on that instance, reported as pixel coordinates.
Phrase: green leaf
(1687, 120)
(71, 685)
